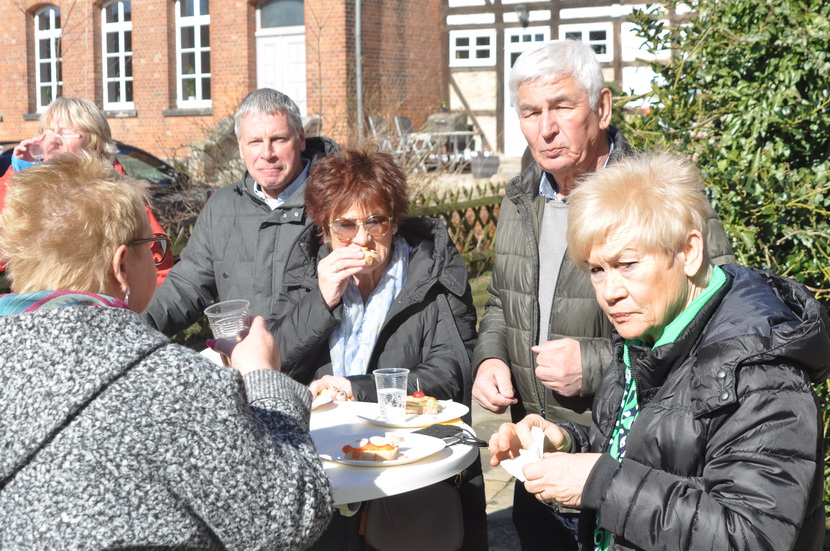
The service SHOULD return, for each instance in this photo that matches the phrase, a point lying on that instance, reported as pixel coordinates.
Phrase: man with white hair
(543, 340)
(242, 237)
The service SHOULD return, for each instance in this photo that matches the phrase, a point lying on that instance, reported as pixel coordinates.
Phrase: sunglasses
(376, 225)
(159, 245)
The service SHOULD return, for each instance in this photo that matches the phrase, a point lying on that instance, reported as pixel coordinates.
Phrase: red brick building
(166, 71)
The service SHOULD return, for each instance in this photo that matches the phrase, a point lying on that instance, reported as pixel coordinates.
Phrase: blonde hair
(83, 115)
(63, 221)
(659, 198)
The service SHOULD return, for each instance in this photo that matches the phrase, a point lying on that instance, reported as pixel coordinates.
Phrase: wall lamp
(523, 15)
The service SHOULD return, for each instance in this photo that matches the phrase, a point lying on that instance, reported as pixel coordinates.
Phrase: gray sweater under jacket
(113, 438)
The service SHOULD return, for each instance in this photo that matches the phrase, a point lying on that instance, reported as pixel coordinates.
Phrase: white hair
(557, 59)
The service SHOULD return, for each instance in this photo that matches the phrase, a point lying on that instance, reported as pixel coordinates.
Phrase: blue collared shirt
(287, 192)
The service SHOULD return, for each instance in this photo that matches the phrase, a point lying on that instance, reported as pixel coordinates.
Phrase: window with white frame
(598, 35)
(193, 53)
(473, 48)
(117, 50)
(48, 81)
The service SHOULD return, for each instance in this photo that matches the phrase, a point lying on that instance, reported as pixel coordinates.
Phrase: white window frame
(472, 35)
(197, 21)
(53, 34)
(121, 28)
(585, 30)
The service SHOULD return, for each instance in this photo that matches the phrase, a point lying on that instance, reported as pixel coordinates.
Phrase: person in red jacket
(71, 125)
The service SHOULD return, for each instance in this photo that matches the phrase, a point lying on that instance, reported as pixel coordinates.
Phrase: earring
(127, 295)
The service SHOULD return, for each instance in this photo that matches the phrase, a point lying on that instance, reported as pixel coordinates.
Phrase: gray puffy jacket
(510, 324)
(238, 249)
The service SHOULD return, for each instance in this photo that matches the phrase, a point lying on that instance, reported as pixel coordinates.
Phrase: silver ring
(552, 503)
(337, 267)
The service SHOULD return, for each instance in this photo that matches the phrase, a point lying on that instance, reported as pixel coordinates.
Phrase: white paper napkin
(530, 455)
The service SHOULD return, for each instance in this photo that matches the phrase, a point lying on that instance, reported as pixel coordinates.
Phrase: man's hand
(493, 389)
(559, 366)
(560, 477)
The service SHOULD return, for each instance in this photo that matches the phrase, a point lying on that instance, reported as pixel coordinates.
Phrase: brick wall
(401, 75)
(402, 63)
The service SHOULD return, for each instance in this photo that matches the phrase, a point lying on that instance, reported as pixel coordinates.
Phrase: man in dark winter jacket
(543, 340)
(242, 237)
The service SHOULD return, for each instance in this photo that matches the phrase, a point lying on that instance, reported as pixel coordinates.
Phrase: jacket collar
(527, 184)
(756, 317)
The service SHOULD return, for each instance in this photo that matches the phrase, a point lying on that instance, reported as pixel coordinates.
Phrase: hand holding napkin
(530, 455)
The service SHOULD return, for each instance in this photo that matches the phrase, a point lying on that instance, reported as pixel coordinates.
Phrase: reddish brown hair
(371, 179)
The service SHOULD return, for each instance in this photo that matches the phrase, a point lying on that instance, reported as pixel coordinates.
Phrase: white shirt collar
(287, 192)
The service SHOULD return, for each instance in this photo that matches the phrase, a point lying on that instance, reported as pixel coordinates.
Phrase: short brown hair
(355, 176)
(63, 220)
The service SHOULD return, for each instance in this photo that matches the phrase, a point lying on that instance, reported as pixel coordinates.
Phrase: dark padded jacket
(727, 451)
(238, 249)
(510, 324)
(430, 329)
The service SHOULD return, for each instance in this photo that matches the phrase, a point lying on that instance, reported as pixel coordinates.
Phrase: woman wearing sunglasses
(366, 287)
(113, 437)
(73, 125)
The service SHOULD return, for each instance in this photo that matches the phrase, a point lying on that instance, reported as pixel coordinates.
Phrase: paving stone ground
(498, 486)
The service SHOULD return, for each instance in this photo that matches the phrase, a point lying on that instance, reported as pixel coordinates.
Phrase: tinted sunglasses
(376, 225)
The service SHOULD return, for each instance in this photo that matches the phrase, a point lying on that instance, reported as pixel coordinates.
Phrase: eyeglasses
(65, 133)
(376, 225)
(159, 245)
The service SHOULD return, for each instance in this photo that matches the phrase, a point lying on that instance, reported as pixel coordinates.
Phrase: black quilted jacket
(727, 451)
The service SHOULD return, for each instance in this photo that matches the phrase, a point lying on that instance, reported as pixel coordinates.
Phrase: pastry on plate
(419, 403)
(374, 448)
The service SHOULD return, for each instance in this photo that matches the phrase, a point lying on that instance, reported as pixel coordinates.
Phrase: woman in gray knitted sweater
(111, 436)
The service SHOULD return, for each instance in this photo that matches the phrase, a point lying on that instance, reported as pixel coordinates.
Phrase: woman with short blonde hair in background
(112, 437)
(706, 432)
(73, 125)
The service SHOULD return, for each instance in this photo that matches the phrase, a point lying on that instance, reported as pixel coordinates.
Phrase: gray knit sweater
(113, 438)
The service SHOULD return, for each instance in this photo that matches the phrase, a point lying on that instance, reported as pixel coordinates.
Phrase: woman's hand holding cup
(39, 148)
(256, 350)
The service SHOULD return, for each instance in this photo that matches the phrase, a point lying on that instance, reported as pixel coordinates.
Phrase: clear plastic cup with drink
(391, 387)
(45, 146)
(228, 320)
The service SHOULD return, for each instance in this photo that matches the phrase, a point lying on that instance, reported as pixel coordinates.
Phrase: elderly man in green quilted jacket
(543, 340)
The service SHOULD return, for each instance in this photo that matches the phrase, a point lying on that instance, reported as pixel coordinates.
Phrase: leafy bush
(746, 94)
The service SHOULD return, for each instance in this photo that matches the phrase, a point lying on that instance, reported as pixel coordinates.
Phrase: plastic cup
(47, 146)
(227, 320)
(391, 386)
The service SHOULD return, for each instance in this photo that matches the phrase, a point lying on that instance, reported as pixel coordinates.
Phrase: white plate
(413, 447)
(320, 401)
(451, 410)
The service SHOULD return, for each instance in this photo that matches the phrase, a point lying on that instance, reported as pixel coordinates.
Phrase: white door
(280, 58)
(517, 41)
